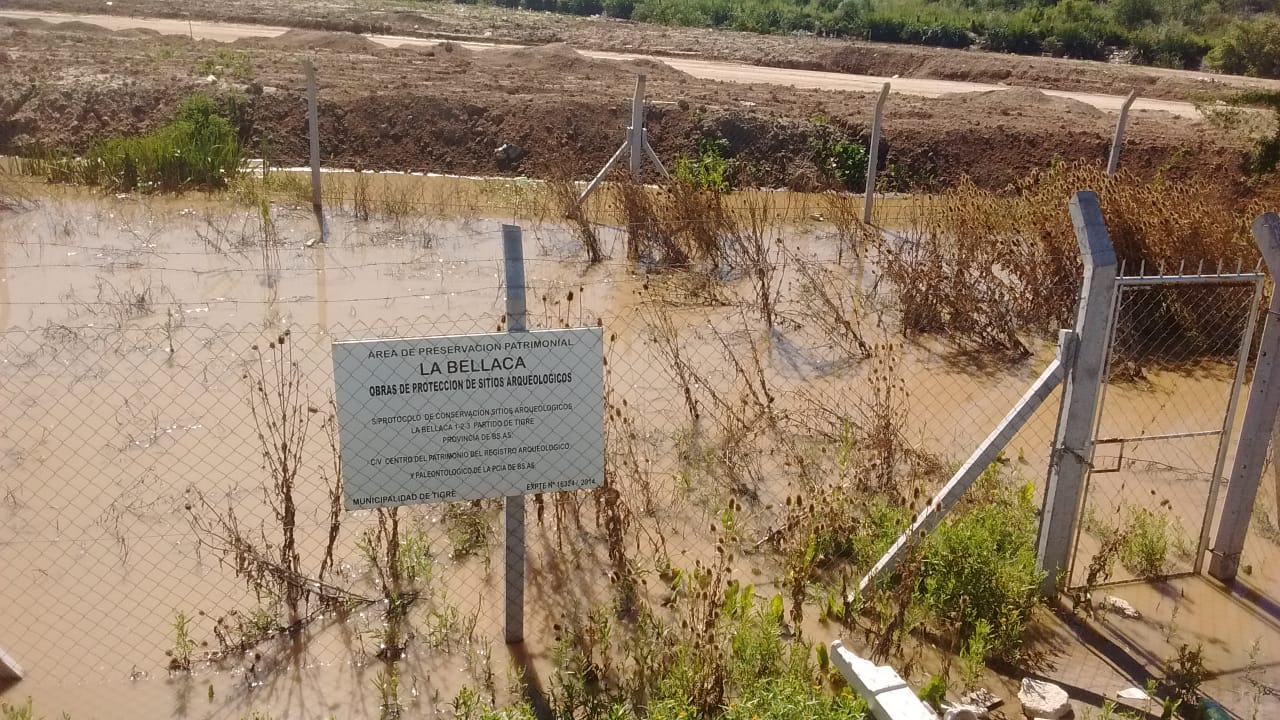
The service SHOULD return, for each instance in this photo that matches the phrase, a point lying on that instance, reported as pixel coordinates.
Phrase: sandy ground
(474, 22)
(447, 109)
(701, 69)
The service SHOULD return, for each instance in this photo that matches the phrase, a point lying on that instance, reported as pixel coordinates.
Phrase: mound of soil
(138, 33)
(1022, 100)
(560, 58)
(343, 42)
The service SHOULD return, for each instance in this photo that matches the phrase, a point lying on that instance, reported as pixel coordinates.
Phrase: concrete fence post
(1073, 440)
(313, 128)
(873, 156)
(636, 141)
(635, 133)
(1117, 142)
(513, 508)
(1259, 420)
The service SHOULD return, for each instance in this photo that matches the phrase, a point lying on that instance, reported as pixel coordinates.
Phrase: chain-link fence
(1173, 387)
(173, 534)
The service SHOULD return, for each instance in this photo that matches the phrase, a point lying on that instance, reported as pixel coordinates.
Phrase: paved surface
(703, 69)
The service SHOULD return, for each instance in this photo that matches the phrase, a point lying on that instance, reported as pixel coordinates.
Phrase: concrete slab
(9, 668)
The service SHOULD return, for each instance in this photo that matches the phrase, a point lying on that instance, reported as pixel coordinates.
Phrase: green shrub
(792, 698)
(708, 170)
(581, 7)
(1145, 551)
(1075, 41)
(1159, 32)
(1171, 46)
(761, 17)
(1249, 47)
(1135, 13)
(671, 12)
(621, 9)
(1013, 34)
(934, 691)
(978, 569)
(902, 26)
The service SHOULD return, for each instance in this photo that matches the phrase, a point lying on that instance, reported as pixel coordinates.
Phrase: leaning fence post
(313, 127)
(1117, 142)
(873, 156)
(1259, 419)
(513, 508)
(1073, 440)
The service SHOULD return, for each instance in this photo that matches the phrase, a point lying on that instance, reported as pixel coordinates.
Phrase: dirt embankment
(491, 24)
(448, 109)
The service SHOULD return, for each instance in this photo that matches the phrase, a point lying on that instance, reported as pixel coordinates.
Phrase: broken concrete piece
(1042, 699)
(1134, 693)
(1121, 606)
(963, 712)
(887, 694)
(982, 698)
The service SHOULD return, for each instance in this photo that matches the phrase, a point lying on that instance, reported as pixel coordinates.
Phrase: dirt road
(702, 69)
(397, 102)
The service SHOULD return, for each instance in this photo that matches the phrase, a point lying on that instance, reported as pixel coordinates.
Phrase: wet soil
(448, 110)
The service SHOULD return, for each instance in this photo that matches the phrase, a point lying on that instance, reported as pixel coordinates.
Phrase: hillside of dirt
(446, 109)
(491, 24)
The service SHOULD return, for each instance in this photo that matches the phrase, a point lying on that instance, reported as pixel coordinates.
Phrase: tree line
(1239, 37)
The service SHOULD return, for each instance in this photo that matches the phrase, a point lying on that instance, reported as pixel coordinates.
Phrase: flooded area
(130, 334)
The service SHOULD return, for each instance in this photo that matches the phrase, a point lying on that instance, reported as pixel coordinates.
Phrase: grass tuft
(198, 150)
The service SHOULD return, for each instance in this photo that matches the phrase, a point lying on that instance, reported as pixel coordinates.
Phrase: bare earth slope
(447, 108)
(475, 22)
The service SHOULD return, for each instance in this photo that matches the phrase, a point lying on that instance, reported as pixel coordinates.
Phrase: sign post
(466, 417)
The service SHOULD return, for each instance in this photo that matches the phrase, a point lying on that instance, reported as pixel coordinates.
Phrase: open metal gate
(1179, 345)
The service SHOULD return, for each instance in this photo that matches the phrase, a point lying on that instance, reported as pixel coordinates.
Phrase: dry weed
(563, 195)
(985, 267)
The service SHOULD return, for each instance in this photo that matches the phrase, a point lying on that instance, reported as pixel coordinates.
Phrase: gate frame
(1216, 277)
(1259, 419)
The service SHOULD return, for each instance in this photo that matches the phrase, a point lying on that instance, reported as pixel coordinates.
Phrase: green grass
(1145, 552)
(708, 169)
(17, 712)
(227, 62)
(468, 527)
(198, 149)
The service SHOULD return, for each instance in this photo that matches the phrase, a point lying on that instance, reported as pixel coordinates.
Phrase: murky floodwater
(129, 327)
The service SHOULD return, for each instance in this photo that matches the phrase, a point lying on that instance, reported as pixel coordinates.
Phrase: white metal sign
(463, 417)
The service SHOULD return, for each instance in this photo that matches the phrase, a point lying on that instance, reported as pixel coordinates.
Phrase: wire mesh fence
(173, 529)
(1173, 385)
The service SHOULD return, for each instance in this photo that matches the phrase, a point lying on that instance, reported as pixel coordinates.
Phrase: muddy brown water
(107, 435)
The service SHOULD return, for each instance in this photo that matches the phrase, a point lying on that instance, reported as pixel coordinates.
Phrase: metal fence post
(873, 156)
(1073, 440)
(1117, 142)
(513, 508)
(1259, 419)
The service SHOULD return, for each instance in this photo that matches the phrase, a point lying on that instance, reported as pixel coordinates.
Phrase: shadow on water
(534, 691)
